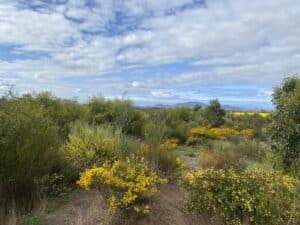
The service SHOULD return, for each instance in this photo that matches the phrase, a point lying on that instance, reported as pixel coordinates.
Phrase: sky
(150, 51)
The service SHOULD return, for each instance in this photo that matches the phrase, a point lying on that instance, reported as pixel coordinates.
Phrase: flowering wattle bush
(197, 135)
(170, 144)
(248, 133)
(128, 184)
(251, 197)
(224, 133)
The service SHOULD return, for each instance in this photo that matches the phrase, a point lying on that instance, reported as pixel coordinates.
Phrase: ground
(88, 208)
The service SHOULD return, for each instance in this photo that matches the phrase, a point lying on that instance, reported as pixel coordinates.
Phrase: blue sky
(164, 51)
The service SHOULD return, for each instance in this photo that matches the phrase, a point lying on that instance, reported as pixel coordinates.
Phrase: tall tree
(214, 114)
(285, 128)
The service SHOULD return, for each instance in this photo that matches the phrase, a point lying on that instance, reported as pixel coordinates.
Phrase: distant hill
(234, 108)
(192, 105)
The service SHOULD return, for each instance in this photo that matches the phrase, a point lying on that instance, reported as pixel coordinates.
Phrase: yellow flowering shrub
(248, 133)
(254, 196)
(202, 132)
(170, 144)
(197, 135)
(224, 133)
(262, 114)
(128, 184)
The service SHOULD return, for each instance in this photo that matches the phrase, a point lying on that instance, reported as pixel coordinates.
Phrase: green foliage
(285, 127)
(197, 107)
(154, 150)
(28, 150)
(248, 121)
(62, 112)
(120, 114)
(214, 114)
(175, 123)
(93, 145)
(54, 185)
(224, 155)
(255, 196)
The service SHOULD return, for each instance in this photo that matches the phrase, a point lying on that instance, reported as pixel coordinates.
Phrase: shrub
(199, 135)
(169, 144)
(245, 121)
(129, 184)
(219, 160)
(62, 112)
(251, 197)
(89, 146)
(119, 113)
(214, 114)
(54, 185)
(224, 133)
(202, 132)
(160, 159)
(223, 155)
(248, 133)
(28, 150)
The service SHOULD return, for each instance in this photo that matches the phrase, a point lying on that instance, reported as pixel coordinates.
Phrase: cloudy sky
(155, 51)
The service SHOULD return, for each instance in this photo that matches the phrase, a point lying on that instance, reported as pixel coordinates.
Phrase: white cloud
(227, 41)
(137, 84)
(162, 94)
(264, 93)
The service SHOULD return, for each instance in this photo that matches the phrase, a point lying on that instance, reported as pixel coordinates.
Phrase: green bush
(61, 111)
(119, 113)
(154, 150)
(248, 121)
(213, 114)
(255, 196)
(54, 185)
(28, 150)
(93, 145)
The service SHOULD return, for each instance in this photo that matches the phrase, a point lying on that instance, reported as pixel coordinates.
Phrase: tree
(285, 127)
(214, 114)
(197, 107)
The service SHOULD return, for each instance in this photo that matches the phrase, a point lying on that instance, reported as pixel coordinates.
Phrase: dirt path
(87, 208)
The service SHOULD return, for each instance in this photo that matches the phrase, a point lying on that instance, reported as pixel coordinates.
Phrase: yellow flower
(129, 182)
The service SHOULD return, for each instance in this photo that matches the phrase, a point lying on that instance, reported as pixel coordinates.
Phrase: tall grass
(223, 155)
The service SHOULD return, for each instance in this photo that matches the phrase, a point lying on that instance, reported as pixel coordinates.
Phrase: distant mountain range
(192, 105)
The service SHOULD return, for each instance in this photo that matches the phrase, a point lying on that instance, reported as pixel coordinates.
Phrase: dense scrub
(247, 165)
(29, 142)
(253, 196)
